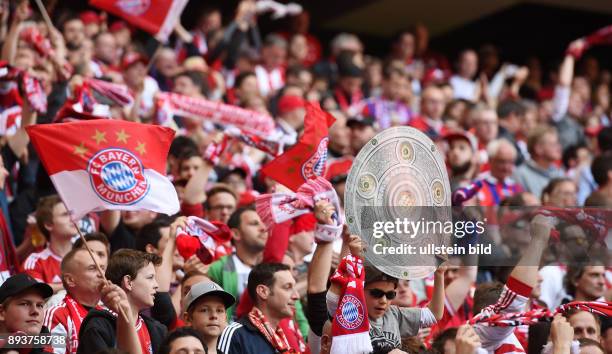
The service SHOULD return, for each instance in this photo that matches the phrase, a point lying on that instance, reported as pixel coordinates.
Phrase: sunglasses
(377, 294)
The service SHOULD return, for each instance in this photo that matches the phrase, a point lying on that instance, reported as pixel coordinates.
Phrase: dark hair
(598, 199)
(571, 153)
(164, 348)
(150, 234)
(554, 183)
(243, 76)
(571, 312)
(438, 343)
(219, 188)
(44, 212)
(263, 274)
(191, 274)
(234, 220)
(601, 167)
(509, 107)
(604, 139)
(180, 144)
(295, 70)
(486, 294)
(196, 78)
(575, 271)
(128, 262)
(587, 342)
(93, 236)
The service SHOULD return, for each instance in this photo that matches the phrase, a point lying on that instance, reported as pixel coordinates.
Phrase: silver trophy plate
(399, 175)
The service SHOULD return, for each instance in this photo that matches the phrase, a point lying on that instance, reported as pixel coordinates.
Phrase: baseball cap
(21, 282)
(207, 288)
(89, 17)
(459, 134)
(131, 58)
(360, 119)
(372, 274)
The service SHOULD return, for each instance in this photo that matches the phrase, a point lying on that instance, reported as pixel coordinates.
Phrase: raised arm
(436, 305)
(457, 291)
(318, 272)
(526, 271)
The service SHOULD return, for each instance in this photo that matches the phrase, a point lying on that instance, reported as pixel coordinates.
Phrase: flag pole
(93, 257)
(45, 15)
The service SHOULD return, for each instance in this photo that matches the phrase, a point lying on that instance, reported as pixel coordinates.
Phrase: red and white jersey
(500, 340)
(269, 81)
(44, 266)
(65, 319)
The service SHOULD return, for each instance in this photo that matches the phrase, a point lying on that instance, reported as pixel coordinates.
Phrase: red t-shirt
(44, 266)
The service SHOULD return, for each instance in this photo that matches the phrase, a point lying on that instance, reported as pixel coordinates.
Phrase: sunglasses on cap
(377, 294)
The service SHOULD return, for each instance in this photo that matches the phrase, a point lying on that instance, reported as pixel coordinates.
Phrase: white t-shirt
(463, 88)
(242, 270)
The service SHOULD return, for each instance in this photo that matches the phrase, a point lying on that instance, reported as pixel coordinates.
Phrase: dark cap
(372, 274)
(360, 119)
(207, 288)
(21, 282)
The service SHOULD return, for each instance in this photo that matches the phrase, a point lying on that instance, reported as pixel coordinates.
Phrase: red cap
(89, 17)
(460, 134)
(436, 76)
(593, 130)
(338, 168)
(289, 103)
(304, 222)
(131, 58)
(118, 26)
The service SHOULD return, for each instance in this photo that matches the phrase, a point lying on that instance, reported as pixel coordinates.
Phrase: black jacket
(241, 337)
(98, 331)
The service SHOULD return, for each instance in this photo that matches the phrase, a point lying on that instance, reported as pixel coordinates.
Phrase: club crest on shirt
(117, 176)
(315, 165)
(134, 7)
(351, 312)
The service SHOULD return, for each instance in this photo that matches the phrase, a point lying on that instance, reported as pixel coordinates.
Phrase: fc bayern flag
(107, 164)
(157, 17)
(306, 159)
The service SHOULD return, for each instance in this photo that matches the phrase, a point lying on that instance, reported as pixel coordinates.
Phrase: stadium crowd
(525, 137)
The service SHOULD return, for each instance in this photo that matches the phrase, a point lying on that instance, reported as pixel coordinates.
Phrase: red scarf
(350, 326)
(601, 308)
(143, 336)
(276, 338)
(77, 314)
(343, 102)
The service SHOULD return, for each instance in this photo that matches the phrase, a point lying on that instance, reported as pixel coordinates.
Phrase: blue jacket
(242, 337)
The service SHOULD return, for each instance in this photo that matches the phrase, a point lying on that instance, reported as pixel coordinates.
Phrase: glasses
(377, 294)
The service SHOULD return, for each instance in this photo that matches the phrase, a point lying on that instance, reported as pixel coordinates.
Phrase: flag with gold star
(107, 164)
(307, 158)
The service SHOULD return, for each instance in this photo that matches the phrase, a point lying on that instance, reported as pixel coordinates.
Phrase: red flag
(306, 159)
(157, 17)
(107, 164)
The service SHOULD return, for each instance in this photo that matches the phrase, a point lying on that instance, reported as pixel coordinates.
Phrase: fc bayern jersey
(44, 266)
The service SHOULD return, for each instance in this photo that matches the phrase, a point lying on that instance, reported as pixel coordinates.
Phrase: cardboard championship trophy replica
(398, 200)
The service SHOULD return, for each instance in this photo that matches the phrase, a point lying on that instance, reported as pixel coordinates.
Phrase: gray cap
(207, 288)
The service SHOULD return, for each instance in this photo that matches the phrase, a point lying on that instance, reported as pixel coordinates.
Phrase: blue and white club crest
(351, 312)
(117, 176)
